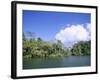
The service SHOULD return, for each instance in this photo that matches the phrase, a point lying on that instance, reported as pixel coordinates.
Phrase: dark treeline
(36, 47)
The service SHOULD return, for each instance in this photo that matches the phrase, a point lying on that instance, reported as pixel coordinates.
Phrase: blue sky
(47, 24)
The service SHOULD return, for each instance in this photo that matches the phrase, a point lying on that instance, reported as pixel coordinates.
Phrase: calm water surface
(71, 61)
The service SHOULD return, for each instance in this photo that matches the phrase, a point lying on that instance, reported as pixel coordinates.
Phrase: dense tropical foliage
(36, 47)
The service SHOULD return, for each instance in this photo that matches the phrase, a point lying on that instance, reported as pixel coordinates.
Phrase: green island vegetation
(36, 47)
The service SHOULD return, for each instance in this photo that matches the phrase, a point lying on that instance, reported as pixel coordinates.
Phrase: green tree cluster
(36, 47)
(82, 48)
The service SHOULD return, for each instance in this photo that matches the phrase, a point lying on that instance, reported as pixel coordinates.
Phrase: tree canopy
(36, 47)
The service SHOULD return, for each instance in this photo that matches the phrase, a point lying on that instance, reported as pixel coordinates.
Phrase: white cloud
(74, 33)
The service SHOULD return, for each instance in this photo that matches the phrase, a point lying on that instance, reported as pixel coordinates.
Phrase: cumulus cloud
(74, 33)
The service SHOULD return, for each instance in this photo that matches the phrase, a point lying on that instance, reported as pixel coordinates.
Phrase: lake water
(71, 61)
